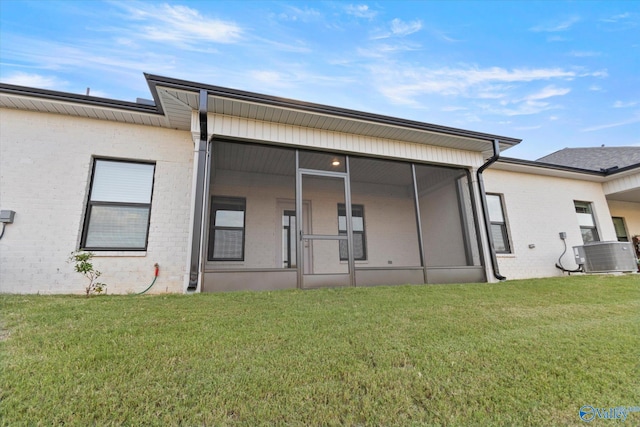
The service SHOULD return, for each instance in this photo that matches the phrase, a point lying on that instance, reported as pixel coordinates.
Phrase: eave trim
(155, 80)
(66, 97)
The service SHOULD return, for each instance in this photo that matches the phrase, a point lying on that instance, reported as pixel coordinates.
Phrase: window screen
(226, 231)
(119, 206)
(586, 222)
(498, 224)
(359, 240)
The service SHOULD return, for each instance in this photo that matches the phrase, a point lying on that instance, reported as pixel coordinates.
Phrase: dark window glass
(621, 230)
(498, 224)
(587, 222)
(119, 206)
(359, 239)
(226, 234)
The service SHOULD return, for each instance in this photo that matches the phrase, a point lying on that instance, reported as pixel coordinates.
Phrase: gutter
(485, 208)
(196, 239)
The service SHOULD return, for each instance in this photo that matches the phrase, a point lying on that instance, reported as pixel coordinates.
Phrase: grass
(516, 353)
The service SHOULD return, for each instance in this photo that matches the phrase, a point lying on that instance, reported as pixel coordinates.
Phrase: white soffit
(545, 171)
(178, 104)
(77, 109)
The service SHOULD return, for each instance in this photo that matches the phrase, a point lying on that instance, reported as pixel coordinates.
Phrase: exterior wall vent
(605, 257)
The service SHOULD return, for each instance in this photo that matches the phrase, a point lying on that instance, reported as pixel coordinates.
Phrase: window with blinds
(499, 233)
(359, 240)
(119, 207)
(587, 222)
(226, 231)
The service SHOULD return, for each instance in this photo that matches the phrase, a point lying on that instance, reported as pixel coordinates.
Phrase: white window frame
(105, 196)
(499, 221)
(586, 220)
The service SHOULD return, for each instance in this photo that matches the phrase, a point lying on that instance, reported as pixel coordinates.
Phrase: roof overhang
(175, 100)
(48, 101)
(178, 98)
(618, 184)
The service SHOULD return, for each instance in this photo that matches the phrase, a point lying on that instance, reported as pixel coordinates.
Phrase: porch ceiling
(281, 161)
(626, 196)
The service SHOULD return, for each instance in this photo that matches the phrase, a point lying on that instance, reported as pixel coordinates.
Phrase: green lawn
(516, 353)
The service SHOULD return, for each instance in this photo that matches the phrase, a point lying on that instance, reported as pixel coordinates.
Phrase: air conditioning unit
(606, 257)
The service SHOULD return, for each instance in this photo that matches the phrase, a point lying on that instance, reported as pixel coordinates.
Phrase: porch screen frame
(300, 172)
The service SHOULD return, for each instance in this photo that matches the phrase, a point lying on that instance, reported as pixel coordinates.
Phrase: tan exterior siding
(45, 169)
(622, 184)
(235, 127)
(538, 208)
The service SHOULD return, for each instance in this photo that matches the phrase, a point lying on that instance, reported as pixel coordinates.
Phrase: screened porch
(280, 217)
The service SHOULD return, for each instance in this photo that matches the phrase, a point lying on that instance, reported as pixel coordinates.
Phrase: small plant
(82, 264)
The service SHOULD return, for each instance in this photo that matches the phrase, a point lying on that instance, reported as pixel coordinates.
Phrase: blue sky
(556, 74)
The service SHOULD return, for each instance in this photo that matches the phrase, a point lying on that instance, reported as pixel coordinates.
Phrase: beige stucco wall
(45, 168)
(538, 208)
(630, 212)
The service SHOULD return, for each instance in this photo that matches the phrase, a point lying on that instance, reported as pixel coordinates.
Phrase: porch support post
(347, 201)
(416, 203)
(200, 165)
(299, 219)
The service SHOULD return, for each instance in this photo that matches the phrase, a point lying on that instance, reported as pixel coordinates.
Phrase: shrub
(83, 265)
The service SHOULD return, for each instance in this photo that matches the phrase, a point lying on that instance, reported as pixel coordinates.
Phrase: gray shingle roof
(594, 158)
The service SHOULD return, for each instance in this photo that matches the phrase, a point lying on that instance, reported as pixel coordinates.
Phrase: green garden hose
(157, 271)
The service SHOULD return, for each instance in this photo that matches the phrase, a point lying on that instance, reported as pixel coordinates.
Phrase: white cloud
(523, 109)
(491, 83)
(527, 127)
(635, 119)
(453, 108)
(360, 11)
(556, 26)
(180, 25)
(548, 92)
(622, 104)
(584, 54)
(496, 90)
(303, 15)
(382, 50)
(401, 28)
(34, 80)
(616, 18)
(601, 73)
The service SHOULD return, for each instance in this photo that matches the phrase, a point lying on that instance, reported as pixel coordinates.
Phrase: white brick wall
(537, 209)
(45, 162)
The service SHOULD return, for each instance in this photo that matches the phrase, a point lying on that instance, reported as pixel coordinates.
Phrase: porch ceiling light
(336, 163)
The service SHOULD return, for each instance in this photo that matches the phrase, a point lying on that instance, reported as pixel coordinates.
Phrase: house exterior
(542, 200)
(232, 190)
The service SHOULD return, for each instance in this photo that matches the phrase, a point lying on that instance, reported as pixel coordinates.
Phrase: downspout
(485, 208)
(194, 262)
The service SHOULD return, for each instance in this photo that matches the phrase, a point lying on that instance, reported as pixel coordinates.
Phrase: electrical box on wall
(6, 217)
